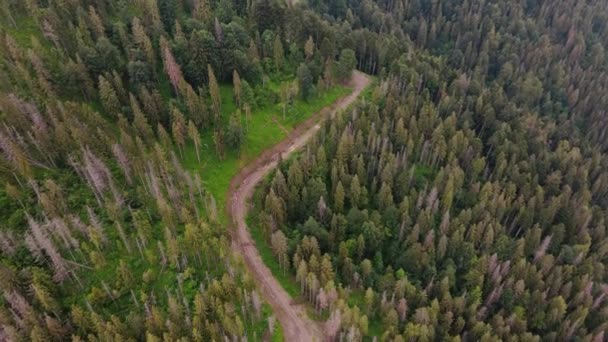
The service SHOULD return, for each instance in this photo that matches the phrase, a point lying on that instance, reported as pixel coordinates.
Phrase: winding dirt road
(296, 324)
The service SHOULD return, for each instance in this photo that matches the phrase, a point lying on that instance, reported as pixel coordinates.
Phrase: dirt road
(296, 324)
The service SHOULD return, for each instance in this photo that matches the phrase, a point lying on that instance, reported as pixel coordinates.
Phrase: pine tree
(305, 82)
(391, 319)
(235, 135)
(153, 15)
(236, 80)
(143, 41)
(346, 65)
(218, 141)
(279, 247)
(202, 11)
(328, 74)
(278, 53)
(196, 105)
(97, 23)
(301, 273)
(219, 31)
(152, 105)
(196, 139)
(287, 94)
(108, 97)
(173, 70)
(339, 198)
(309, 48)
(42, 75)
(275, 207)
(369, 300)
(140, 122)
(247, 109)
(326, 273)
(214, 91)
(253, 53)
(402, 309)
(385, 196)
(5, 10)
(178, 129)
(40, 287)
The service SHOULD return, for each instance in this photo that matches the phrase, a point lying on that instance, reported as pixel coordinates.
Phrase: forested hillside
(466, 197)
(115, 119)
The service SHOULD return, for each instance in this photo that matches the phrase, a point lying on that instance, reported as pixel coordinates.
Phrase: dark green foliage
(268, 14)
(140, 74)
(200, 53)
(168, 13)
(346, 64)
(103, 57)
(305, 82)
(458, 185)
(235, 134)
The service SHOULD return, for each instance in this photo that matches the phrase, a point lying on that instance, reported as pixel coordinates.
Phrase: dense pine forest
(463, 197)
(466, 197)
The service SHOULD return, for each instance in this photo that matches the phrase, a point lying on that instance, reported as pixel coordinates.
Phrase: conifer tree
(108, 97)
(153, 15)
(196, 139)
(143, 41)
(202, 10)
(278, 53)
(97, 23)
(214, 91)
(172, 69)
(252, 52)
(218, 141)
(305, 82)
(236, 80)
(309, 48)
(178, 129)
(339, 197)
(279, 247)
(140, 122)
(235, 134)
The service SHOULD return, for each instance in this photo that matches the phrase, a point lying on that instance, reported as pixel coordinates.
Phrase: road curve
(293, 318)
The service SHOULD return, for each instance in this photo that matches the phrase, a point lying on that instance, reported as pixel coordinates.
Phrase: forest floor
(293, 318)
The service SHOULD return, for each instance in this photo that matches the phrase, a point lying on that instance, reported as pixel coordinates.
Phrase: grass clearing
(265, 128)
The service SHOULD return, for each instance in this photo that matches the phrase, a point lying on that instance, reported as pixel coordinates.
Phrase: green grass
(262, 132)
(277, 334)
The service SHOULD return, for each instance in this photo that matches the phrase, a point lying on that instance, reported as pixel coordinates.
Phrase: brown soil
(293, 318)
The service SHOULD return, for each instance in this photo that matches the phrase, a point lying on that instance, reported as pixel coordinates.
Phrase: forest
(116, 118)
(463, 197)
